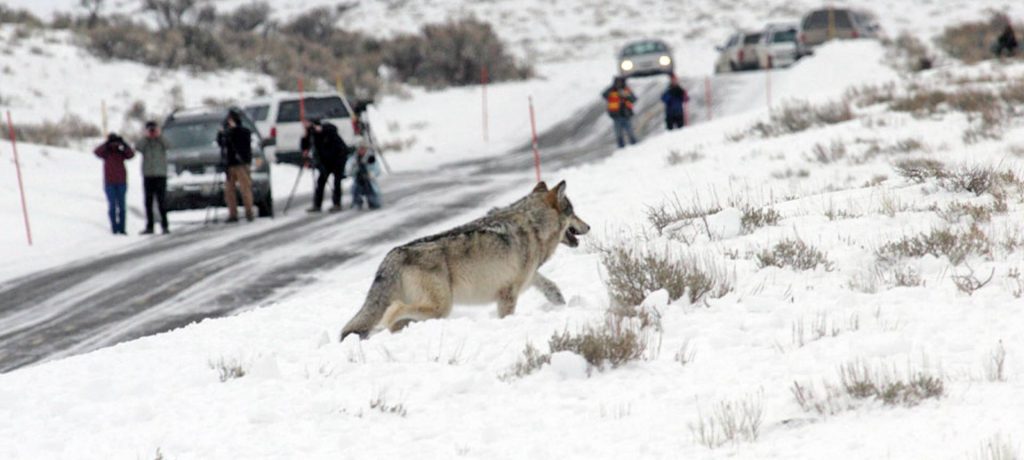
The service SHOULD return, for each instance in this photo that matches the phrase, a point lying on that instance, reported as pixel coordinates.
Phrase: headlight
(664, 60)
(627, 65)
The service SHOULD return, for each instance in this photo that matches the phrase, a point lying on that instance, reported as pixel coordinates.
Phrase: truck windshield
(188, 135)
(315, 107)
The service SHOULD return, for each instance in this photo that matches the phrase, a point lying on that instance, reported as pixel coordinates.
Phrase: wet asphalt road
(212, 271)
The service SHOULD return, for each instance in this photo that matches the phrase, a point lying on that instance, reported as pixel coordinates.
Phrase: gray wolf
(491, 259)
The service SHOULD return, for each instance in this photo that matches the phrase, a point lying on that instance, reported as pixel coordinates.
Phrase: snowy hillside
(848, 297)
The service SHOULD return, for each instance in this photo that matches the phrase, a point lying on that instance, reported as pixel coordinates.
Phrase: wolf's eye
(568, 209)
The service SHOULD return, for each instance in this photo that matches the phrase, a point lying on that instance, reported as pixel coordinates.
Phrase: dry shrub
(978, 180)
(672, 211)
(955, 245)
(910, 53)
(730, 422)
(799, 116)
(61, 133)
(228, 369)
(755, 218)
(832, 153)
(613, 342)
(920, 169)
(860, 382)
(675, 158)
(998, 447)
(793, 253)
(634, 273)
(381, 404)
(10, 15)
(972, 41)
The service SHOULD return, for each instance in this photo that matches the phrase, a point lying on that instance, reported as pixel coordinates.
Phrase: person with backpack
(620, 99)
(330, 155)
(153, 148)
(235, 143)
(675, 99)
(114, 152)
(364, 169)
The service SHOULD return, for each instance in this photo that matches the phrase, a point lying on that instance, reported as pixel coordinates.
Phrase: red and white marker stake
(21, 186)
(536, 148)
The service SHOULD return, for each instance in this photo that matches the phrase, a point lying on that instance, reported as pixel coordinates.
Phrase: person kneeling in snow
(364, 169)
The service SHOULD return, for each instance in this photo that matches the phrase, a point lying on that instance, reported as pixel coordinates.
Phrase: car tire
(733, 67)
(265, 208)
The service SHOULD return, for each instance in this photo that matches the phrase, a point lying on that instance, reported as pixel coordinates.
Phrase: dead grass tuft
(795, 254)
(955, 245)
(633, 274)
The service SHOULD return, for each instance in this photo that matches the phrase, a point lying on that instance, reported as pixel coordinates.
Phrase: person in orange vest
(620, 101)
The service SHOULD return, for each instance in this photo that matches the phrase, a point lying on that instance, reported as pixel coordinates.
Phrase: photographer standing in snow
(153, 148)
(114, 152)
(620, 99)
(235, 141)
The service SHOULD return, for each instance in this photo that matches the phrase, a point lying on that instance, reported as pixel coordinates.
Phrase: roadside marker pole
(302, 103)
(707, 96)
(103, 113)
(483, 87)
(533, 130)
(21, 187)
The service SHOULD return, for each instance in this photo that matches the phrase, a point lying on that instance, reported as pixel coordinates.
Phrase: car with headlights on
(644, 58)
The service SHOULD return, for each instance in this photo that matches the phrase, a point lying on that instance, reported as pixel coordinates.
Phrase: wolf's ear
(559, 189)
(555, 195)
(541, 187)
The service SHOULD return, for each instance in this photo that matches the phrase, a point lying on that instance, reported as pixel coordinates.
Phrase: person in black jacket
(1007, 42)
(329, 155)
(235, 143)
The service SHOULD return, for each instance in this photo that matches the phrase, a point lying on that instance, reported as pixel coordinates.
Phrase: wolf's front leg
(507, 298)
(549, 289)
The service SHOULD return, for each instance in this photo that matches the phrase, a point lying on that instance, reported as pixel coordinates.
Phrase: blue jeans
(359, 191)
(624, 127)
(115, 206)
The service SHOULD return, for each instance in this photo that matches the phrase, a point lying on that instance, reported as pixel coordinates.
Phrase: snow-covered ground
(306, 396)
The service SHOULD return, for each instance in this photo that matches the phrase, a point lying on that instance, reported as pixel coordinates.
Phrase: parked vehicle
(278, 118)
(779, 46)
(195, 173)
(822, 25)
(646, 57)
(738, 53)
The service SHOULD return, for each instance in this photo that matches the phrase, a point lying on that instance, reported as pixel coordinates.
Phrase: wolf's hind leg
(400, 315)
(548, 288)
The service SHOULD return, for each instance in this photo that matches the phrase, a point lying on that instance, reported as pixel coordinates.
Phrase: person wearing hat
(153, 148)
(329, 154)
(236, 148)
(364, 169)
(114, 152)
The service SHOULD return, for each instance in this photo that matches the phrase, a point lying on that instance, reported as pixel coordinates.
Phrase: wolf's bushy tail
(382, 293)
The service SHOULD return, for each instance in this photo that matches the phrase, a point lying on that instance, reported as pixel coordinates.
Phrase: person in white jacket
(364, 169)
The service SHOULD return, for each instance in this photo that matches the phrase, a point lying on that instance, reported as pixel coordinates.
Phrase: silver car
(646, 57)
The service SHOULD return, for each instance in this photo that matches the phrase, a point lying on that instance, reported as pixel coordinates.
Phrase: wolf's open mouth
(570, 237)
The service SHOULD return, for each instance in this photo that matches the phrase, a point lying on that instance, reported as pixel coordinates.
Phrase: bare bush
(676, 158)
(955, 245)
(998, 447)
(755, 218)
(971, 41)
(909, 53)
(995, 364)
(228, 369)
(248, 17)
(381, 404)
(635, 273)
(795, 254)
(977, 179)
(800, 116)
(671, 211)
(860, 382)
(61, 133)
(831, 153)
(920, 169)
(686, 353)
(730, 421)
(613, 343)
(821, 326)
(10, 15)
(969, 282)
